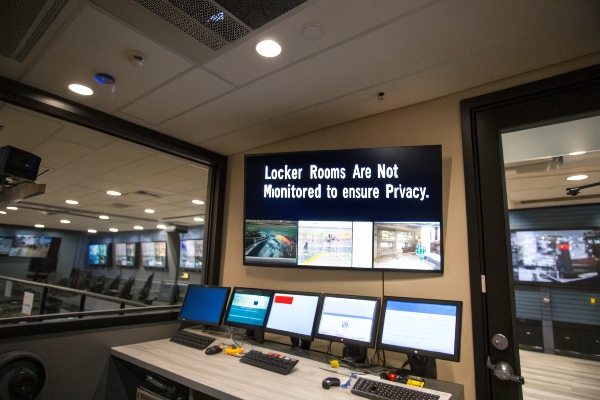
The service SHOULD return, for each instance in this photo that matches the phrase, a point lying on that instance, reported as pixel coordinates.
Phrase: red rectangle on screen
(284, 299)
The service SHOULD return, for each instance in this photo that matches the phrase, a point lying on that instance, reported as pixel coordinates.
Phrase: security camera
(572, 191)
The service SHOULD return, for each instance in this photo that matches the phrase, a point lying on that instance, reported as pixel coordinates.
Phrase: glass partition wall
(117, 223)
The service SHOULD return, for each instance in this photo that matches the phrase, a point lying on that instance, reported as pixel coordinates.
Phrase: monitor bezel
(295, 334)
(237, 289)
(223, 307)
(337, 339)
(421, 352)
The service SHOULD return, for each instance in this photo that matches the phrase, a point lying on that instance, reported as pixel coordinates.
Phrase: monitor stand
(355, 354)
(258, 335)
(422, 366)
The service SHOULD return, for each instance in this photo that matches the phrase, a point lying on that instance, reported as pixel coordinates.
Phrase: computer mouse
(329, 382)
(213, 350)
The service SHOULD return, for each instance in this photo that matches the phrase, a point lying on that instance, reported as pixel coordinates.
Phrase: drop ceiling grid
(24, 133)
(100, 44)
(181, 94)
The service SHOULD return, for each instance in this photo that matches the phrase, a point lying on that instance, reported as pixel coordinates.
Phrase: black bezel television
(421, 327)
(154, 254)
(248, 308)
(340, 313)
(556, 257)
(357, 209)
(190, 254)
(204, 304)
(31, 246)
(125, 254)
(99, 254)
(294, 314)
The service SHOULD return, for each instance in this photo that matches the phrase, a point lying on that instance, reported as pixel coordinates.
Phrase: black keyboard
(379, 390)
(271, 361)
(191, 339)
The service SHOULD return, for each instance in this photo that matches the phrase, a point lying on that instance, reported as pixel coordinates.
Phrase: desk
(225, 377)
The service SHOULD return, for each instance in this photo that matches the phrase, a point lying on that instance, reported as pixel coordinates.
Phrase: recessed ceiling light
(113, 229)
(149, 211)
(113, 193)
(268, 48)
(12, 208)
(577, 177)
(39, 225)
(576, 153)
(71, 202)
(139, 228)
(65, 221)
(197, 202)
(92, 231)
(103, 216)
(80, 89)
(160, 226)
(2, 212)
(199, 219)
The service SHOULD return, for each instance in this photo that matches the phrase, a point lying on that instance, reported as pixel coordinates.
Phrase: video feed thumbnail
(325, 243)
(562, 256)
(270, 242)
(407, 245)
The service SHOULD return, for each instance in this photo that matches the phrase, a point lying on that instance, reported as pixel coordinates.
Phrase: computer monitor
(293, 314)
(248, 308)
(351, 320)
(421, 328)
(204, 305)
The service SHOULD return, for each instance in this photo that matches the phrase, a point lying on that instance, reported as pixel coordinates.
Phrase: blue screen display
(204, 304)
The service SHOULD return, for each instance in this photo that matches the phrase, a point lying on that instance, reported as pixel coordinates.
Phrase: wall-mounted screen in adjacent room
(98, 254)
(5, 245)
(369, 209)
(556, 256)
(154, 254)
(30, 246)
(125, 254)
(190, 254)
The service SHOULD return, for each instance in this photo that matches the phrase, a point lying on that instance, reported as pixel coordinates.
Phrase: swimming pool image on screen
(407, 245)
(325, 243)
(270, 241)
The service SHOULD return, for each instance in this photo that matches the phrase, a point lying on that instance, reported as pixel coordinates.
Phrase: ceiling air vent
(149, 194)
(22, 24)
(120, 205)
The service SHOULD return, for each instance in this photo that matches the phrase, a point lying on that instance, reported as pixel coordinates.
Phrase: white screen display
(293, 313)
(420, 326)
(347, 318)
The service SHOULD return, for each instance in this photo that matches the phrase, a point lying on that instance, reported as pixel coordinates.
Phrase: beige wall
(431, 122)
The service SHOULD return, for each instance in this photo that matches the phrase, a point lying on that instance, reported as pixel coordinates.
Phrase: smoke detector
(136, 58)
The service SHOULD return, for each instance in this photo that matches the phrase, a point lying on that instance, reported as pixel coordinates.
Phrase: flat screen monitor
(367, 209)
(204, 305)
(190, 254)
(5, 245)
(248, 308)
(348, 319)
(154, 254)
(98, 254)
(30, 246)
(125, 254)
(421, 327)
(293, 314)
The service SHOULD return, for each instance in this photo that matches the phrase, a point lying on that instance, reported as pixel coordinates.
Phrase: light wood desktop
(225, 377)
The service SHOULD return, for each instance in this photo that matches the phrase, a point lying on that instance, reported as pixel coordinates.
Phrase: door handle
(503, 371)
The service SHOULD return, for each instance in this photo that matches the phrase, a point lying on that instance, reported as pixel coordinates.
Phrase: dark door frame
(483, 120)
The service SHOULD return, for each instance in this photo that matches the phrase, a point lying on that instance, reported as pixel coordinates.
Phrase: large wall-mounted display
(125, 254)
(190, 254)
(369, 209)
(556, 256)
(98, 254)
(30, 246)
(154, 254)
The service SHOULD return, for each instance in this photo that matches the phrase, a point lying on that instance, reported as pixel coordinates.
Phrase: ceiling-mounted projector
(18, 165)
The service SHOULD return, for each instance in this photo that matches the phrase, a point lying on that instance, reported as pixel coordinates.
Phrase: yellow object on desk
(234, 352)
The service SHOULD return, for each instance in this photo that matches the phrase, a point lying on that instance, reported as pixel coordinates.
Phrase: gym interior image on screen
(407, 245)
